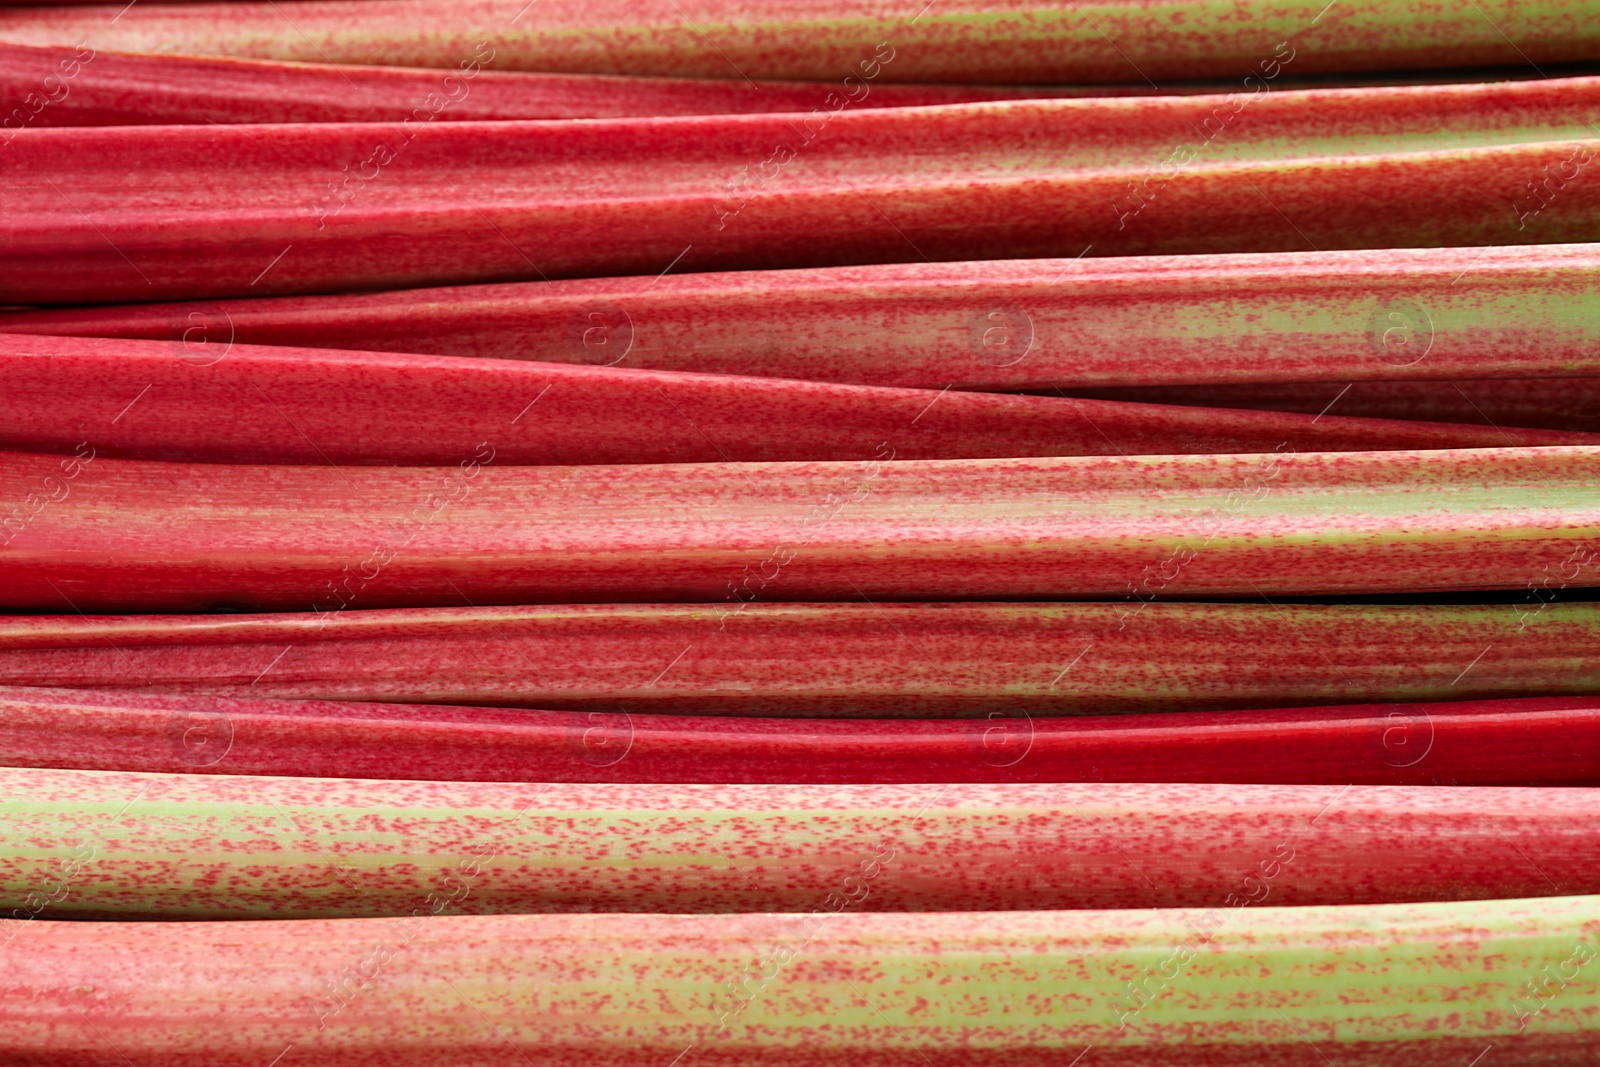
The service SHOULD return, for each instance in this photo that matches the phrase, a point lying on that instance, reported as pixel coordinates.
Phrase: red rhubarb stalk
(116, 535)
(1003, 661)
(186, 846)
(1530, 741)
(1234, 320)
(959, 40)
(1428, 985)
(78, 86)
(116, 89)
(336, 206)
(207, 401)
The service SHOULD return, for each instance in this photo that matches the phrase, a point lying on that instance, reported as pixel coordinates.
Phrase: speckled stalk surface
(1530, 741)
(116, 89)
(128, 88)
(1524, 741)
(114, 535)
(213, 401)
(1424, 985)
(156, 213)
(1235, 321)
(857, 660)
(170, 846)
(958, 40)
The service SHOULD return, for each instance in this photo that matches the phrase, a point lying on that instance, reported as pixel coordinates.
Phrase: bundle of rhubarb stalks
(762, 533)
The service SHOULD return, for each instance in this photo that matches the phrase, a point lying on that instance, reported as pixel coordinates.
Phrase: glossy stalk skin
(1571, 404)
(117, 89)
(1428, 985)
(960, 41)
(184, 846)
(138, 88)
(343, 206)
(210, 402)
(1236, 321)
(1528, 741)
(110, 535)
(854, 660)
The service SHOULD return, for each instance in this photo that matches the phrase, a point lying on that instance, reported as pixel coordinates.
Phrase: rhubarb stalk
(341, 206)
(116, 89)
(852, 41)
(211, 401)
(1003, 661)
(116, 535)
(1531, 741)
(182, 846)
(1232, 322)
(1429, 985)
